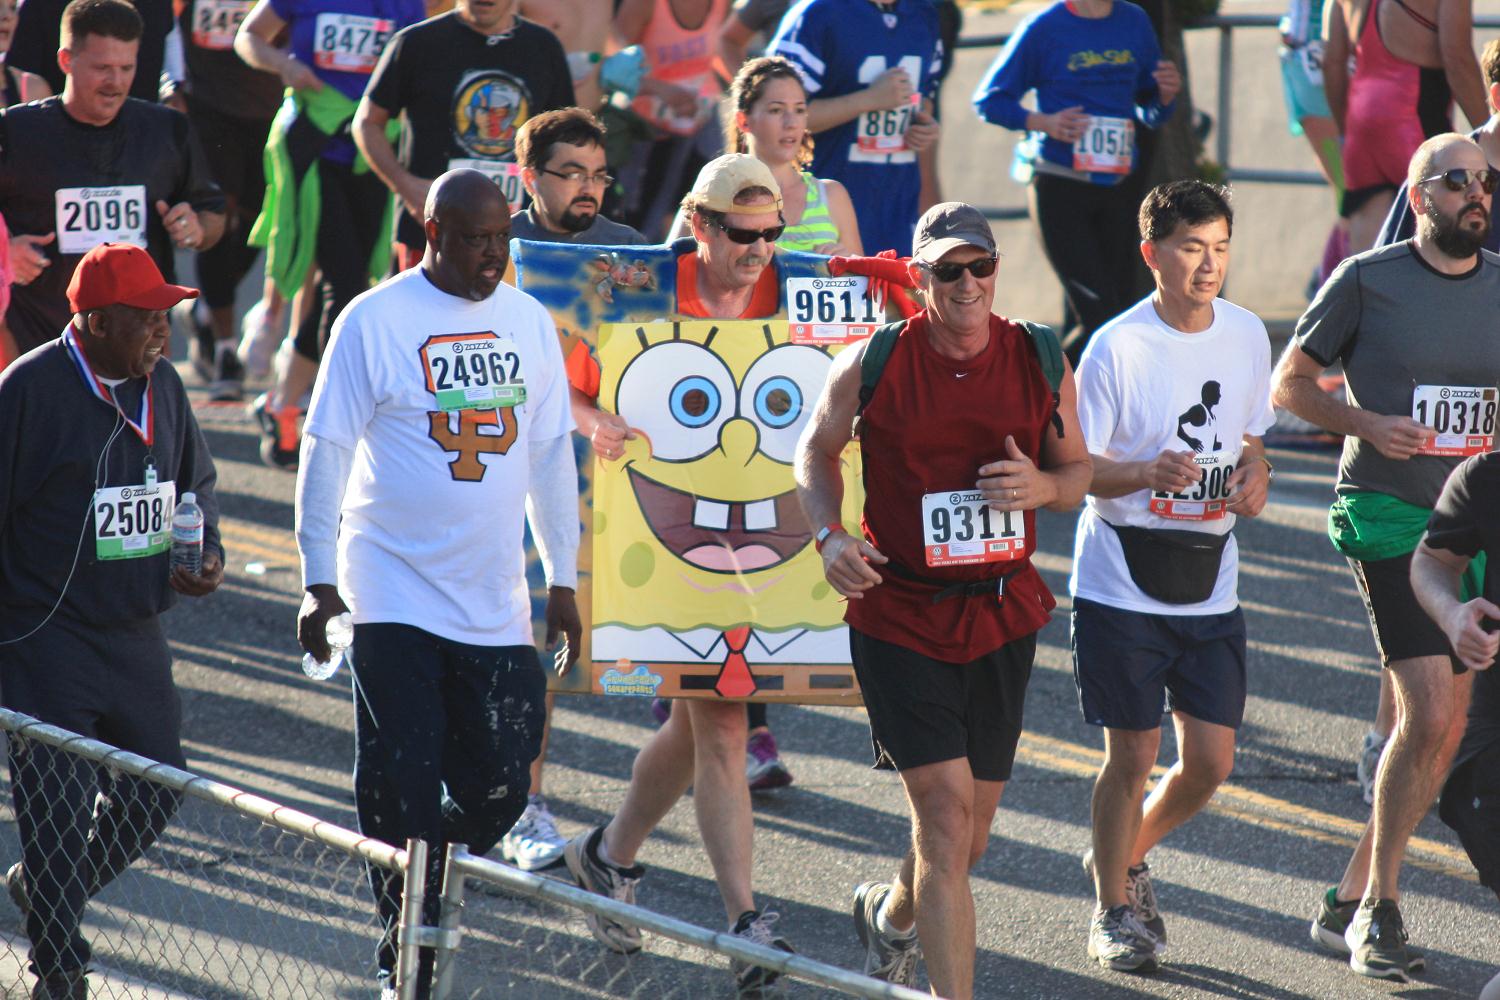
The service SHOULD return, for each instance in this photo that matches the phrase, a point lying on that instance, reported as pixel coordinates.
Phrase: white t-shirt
(1145, 388)
(432, 520)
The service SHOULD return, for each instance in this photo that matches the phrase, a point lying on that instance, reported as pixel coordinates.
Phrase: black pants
(349, 224)
(445, 734)
(79, 827)
(1091, 238)
(235, 148)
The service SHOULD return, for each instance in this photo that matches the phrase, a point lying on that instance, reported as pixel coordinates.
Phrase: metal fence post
(1226, 84)
(450, 921)
(414, 888)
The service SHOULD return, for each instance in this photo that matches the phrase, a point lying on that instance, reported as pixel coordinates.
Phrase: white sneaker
(1369, 762)
(534, 842)
(259, 338)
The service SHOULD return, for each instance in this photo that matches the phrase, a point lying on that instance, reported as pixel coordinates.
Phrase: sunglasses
(1459, 179)
(981, 268)
(745, 237)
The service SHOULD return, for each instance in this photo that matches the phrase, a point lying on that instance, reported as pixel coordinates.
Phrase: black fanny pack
(1175, 567)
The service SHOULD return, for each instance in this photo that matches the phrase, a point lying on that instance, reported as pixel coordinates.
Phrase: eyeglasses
(1459, 179)
(981, 268)
(579, 177)
(745, 237)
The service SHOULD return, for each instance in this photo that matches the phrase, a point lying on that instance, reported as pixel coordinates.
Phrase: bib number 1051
(960, 528)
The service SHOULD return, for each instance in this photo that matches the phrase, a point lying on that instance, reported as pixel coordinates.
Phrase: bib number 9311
(961, 528)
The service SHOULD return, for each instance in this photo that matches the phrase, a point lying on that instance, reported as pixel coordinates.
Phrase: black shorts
(1403, 631)
(925, 711)
(1471, 806)
(1131, 666)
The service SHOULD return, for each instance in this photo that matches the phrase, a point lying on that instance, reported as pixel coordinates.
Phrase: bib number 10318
(1462, 416)
(961, 528)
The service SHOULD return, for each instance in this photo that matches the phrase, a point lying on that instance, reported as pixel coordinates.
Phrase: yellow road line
(275, 537)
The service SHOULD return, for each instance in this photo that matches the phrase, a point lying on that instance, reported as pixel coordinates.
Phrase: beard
(576, 222)
(1451, 235)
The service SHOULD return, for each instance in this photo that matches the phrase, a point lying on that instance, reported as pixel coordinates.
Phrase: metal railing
(244, 897)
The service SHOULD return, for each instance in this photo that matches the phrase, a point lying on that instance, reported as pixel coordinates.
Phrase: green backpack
(883, 341)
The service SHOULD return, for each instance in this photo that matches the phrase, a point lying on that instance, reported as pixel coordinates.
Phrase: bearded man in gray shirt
(1414, 326)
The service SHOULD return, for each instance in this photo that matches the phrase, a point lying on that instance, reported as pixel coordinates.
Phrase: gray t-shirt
(603, 232)
(1396, 324)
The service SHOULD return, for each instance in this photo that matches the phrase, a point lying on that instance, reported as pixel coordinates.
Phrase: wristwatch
(823, 533)
(1270, 470)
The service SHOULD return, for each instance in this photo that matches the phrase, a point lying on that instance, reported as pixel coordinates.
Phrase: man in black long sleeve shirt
(99, 442)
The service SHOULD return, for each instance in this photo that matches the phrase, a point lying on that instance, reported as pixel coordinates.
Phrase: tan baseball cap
(722, 179)
(948, 225)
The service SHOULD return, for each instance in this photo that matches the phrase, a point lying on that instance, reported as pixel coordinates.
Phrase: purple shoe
(763, 767)
(661, 709)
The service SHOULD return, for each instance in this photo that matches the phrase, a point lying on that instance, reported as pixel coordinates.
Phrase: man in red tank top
(962, 439)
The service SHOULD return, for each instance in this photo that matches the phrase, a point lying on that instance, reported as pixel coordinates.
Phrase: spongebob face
(699, 522)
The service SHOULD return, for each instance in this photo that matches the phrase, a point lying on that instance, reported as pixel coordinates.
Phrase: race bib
(506, 175)
(1106, 146)
(1204, 500)
(885, 131)
(89, 216)
(215, 22)
(473, 371)
(961, 528)
(1463, 416)
(351, 43)
(1311, 57)
(131, 522)
(833, 310)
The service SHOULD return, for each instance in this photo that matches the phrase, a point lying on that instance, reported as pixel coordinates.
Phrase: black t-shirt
(465, 94)
(1464, 522)
(39, 33)
(217, 77)
(110, 176)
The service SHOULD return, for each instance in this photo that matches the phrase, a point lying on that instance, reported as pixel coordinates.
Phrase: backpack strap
(877, 352)
(1050, 356)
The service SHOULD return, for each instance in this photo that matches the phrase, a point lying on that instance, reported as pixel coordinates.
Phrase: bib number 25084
(131, 522)
(961, 528)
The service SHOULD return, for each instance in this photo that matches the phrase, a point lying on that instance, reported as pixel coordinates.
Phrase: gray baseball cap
(948, 225)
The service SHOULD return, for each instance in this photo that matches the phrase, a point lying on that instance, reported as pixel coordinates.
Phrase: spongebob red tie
(735, 679)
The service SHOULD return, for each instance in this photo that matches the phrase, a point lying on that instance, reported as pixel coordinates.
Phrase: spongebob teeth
(711, 514)
(760, 515)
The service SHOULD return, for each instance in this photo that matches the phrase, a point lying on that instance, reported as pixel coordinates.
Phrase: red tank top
(931, 423)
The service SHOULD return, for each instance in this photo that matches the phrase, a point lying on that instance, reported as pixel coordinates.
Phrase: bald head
(467, 192)
(1448, 151)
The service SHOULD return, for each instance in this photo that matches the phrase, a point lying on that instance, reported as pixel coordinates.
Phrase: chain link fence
(240, 897)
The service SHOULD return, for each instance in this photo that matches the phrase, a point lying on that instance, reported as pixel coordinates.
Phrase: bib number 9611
(833, 310)
(961, 528)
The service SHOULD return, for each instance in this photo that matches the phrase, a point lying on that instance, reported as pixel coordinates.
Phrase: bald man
(1426, 395)
(451, 384)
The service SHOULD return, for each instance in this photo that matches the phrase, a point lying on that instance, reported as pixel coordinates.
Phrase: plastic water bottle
(187, 534)
(340, 633)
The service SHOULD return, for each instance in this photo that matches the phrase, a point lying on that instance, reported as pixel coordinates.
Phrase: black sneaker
(1377, 941)
(755, 926)
(70, 985)
(228, 383)
(1332, 921)
(280, 436)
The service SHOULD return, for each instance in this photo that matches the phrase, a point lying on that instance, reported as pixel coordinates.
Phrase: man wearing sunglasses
(963, 439)
(1414, 326)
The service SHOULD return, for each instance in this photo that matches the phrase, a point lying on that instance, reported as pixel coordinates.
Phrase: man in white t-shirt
(1155, 570)
(439, 421)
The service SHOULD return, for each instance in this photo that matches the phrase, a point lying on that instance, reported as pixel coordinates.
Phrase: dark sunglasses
(1459, 179)
(981, 268)
(745, 237)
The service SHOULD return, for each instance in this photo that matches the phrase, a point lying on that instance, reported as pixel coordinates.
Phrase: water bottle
(340, 633)
(187, 535)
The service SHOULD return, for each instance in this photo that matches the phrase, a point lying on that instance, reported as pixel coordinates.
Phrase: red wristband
(825, 534)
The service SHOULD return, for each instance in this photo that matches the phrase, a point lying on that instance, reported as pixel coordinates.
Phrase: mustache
(585, 200)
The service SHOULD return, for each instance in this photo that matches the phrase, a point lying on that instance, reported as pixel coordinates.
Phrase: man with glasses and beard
(963, 428)
(561, 154)
(1412, 325)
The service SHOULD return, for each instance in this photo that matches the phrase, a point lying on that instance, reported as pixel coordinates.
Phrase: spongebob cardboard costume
(701, 579)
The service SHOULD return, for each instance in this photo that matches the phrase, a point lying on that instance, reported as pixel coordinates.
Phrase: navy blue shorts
(1130, 666)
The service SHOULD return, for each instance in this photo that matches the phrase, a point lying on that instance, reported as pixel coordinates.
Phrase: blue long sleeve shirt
(1104, 65)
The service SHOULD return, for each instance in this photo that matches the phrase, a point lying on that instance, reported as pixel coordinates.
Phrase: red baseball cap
(122, 274)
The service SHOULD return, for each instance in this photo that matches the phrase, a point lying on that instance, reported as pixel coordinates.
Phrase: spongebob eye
(680, 394)
(778, 392)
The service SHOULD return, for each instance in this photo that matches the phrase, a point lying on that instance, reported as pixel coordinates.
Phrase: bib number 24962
(961, 528)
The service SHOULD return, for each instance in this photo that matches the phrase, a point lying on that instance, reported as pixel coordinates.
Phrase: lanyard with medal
(130, 522)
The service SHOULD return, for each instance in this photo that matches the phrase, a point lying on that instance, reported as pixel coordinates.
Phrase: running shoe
(533, 843)
(280, 435)
(202, 345)
(755, 927)
(1141, 895)
(596, 875)
(259, 338)
(1376, 939)
(889, 959)
(661, 710)
(1118, 941)
(1332, 921)
(15, 885)
(763, 767)
(1369, 760)
(70, 985)
(228, 383)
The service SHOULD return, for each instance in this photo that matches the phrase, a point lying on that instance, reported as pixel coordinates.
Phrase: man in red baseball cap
(95, 431)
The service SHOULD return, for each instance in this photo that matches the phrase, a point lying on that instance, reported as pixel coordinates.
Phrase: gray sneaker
(755, 926)
(891, 959)
(594, 874)
(1369, 761)
(1118, 941)
(1328, 927)
(1377, 941)
(1141, 895)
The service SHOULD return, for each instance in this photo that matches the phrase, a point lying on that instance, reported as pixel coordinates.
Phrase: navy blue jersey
(842, 46)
